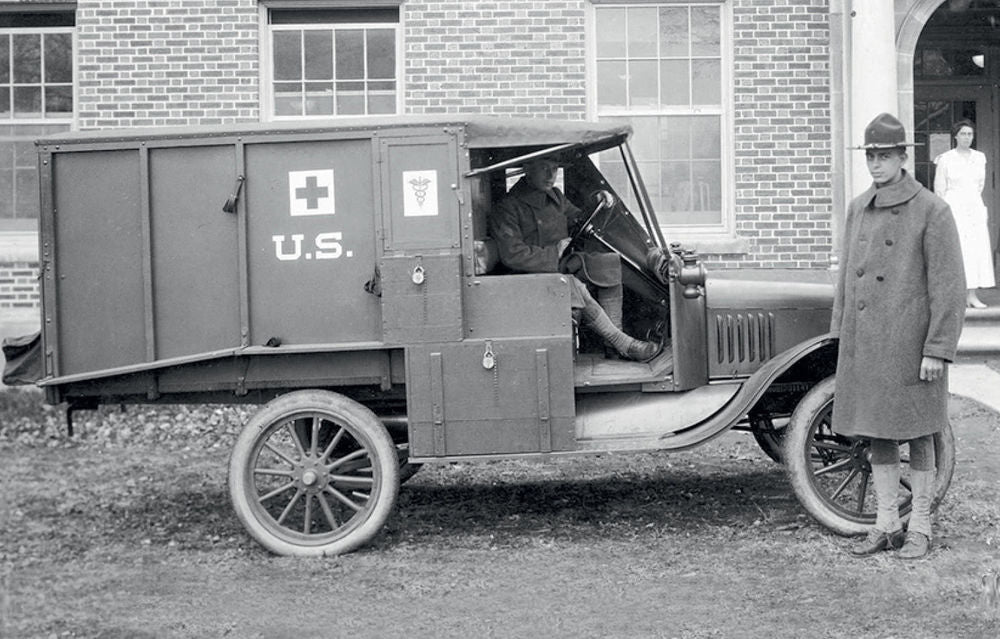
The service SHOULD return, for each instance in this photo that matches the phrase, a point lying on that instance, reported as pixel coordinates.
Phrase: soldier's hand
(931, 369)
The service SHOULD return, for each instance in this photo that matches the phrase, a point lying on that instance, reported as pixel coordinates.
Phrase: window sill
(710, 245)
(18, 245)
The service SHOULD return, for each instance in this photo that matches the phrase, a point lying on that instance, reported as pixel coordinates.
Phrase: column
(873, 82)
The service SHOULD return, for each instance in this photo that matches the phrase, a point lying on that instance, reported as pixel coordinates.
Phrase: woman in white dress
(959, 180)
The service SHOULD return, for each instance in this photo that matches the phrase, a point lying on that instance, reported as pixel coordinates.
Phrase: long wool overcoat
(900, 297)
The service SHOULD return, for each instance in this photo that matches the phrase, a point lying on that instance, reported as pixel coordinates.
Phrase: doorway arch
(907, 35)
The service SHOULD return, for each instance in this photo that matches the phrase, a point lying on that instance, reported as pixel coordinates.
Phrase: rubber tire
(364, 426)
(799, 468)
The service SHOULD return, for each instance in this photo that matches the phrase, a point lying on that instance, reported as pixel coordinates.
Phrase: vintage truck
(341, 274)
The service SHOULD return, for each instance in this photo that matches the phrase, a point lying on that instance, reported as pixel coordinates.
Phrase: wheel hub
(311, 475)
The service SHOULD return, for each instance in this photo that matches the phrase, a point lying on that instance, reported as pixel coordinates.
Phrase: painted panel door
(311, 242)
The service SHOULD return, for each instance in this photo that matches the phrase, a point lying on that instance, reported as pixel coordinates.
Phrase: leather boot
(628, 347)
(888, 532)
(918, 536)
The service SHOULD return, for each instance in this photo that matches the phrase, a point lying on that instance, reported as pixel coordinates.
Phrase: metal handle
(230, 205)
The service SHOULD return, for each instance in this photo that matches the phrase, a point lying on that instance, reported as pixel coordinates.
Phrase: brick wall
(189, 62)
(513, 57)
(782, 133)
(166, 62)
(19, 285)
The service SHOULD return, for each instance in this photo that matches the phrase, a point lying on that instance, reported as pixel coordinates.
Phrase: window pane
(675, 82)
(645, 133)
(642, 86)
(318, 47)
(6, 194)
(58, 57)
(4, 100)
(675, 138)
(381, 53)
(705, 136)
(287, 55)
(287, 98)
(27, 58)
(676, 180)
(350, 104)
(58, 99)
(28, 101)
(674, 32)
(24, 153)
(4, 59)
(706, 85)
(381, 103)
(7, 154)
(350, 54)
(319, 98)
(610, 33)
(705, 31)
(707, 192)
(642, 33)
(26, 190)
(611, 83)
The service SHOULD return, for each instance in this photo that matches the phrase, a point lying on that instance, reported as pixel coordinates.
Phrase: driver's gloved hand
(571, 263)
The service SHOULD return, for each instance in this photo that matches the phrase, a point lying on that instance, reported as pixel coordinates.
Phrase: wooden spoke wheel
(313, 473)
(831, 474)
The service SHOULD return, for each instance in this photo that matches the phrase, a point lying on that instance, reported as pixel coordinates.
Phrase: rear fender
(752, 390)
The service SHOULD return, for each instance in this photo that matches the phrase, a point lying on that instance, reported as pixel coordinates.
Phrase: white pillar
(873, 82)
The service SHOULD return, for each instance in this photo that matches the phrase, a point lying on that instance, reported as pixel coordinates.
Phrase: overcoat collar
(532, 196)
(894, 194)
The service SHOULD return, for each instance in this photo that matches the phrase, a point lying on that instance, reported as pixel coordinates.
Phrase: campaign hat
(885, 132)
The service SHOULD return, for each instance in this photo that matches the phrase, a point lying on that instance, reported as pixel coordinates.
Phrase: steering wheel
(583, 228)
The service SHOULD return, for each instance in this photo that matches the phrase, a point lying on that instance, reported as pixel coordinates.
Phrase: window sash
(700, 99)
(54, 98)
(299, 92)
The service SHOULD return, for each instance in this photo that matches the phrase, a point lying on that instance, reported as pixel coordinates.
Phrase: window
(329, 62)
(661, 67)
(36, 98)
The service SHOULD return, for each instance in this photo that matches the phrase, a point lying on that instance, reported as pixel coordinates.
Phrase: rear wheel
(313, 473)
(831, 473)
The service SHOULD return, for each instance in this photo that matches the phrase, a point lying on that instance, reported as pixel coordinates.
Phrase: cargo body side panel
(196, 287)
(98, 239)
(311, 241)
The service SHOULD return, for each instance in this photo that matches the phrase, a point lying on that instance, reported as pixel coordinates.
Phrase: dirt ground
(128, 535)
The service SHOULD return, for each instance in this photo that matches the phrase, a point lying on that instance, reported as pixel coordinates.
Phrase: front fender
(749, 394)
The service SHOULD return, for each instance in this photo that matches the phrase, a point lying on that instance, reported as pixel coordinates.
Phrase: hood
(770, 289)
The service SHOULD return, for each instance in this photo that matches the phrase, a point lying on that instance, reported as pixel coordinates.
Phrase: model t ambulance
(342, 276)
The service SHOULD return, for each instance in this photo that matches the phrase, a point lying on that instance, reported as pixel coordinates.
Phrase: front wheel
(831, 473)
(313, 473)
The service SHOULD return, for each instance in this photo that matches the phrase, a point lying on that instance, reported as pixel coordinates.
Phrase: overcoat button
(888, 242)
(880, 278)
(861, 306)
(861, 272)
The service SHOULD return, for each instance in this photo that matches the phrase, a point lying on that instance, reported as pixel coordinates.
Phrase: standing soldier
(898, 312)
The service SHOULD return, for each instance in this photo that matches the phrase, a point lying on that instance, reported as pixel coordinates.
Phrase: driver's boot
(628, 347)
(888, 531)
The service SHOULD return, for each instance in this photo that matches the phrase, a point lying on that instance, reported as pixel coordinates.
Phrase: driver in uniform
(531, 229)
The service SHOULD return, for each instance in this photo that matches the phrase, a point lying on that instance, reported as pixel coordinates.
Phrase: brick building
(743, 109)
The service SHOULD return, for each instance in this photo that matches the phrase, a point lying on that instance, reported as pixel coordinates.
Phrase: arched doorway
(956, 75)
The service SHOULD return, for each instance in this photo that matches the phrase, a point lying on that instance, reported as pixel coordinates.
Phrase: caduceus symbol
(420, 186)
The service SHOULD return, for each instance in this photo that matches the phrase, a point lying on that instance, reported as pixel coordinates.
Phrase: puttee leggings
(886, 451)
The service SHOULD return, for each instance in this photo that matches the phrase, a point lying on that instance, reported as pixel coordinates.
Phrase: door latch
(489, 359)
